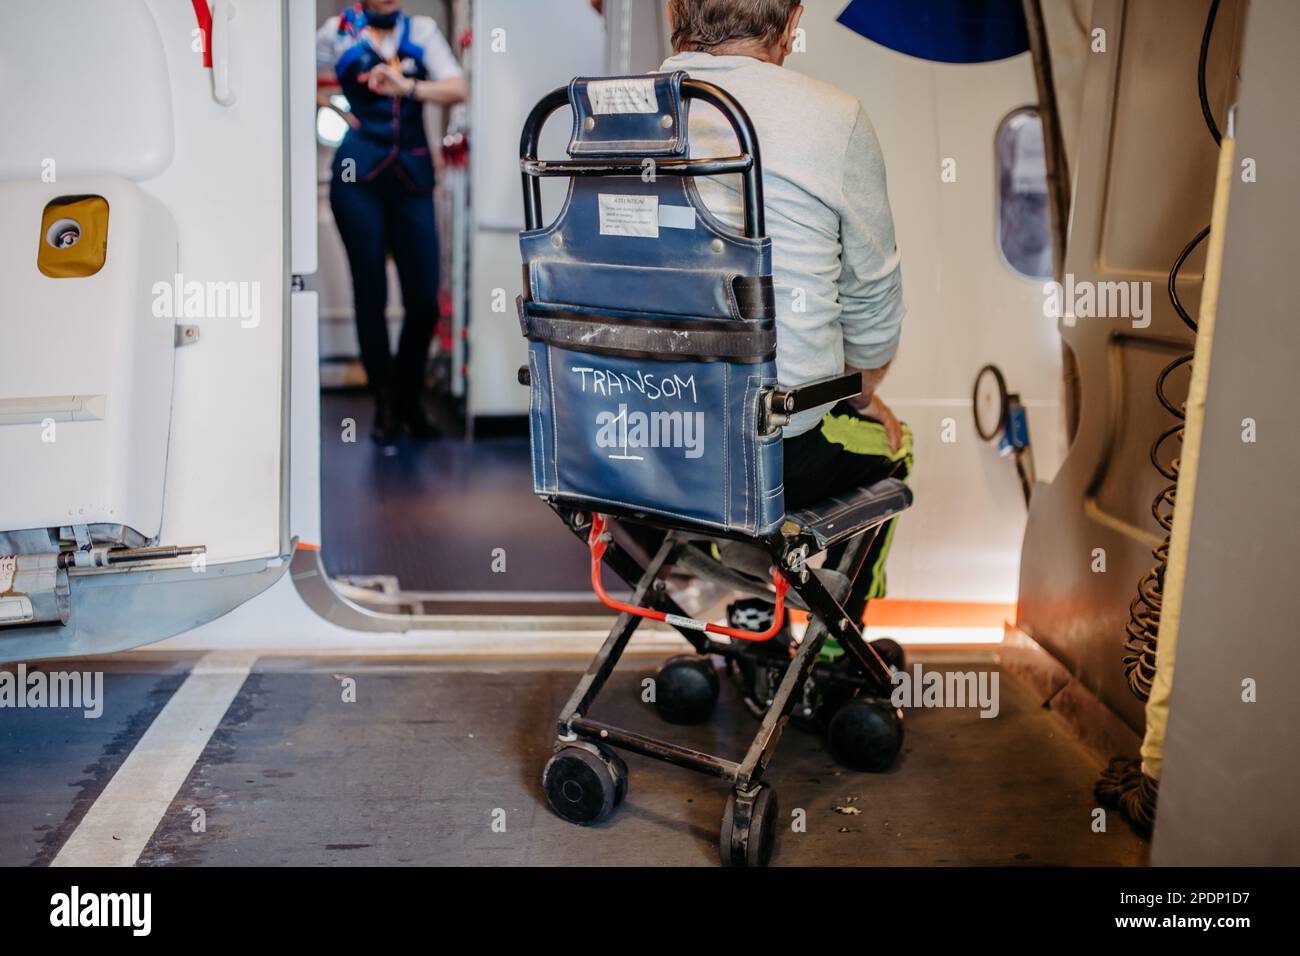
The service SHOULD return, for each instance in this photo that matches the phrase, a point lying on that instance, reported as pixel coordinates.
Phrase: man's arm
(870, 283)
(871, 405)
(871, 379)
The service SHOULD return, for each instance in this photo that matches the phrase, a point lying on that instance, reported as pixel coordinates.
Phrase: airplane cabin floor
(432, 751)
(400, 512)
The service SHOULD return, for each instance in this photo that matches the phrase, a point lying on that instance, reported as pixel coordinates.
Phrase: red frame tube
(597, 542)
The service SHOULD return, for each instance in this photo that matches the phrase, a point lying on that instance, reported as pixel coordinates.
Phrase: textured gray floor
(54, 762)
(419, 767)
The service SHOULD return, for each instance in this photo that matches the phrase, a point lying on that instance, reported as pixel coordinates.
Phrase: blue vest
(391, 135)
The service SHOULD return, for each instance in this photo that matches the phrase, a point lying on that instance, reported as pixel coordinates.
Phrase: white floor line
(119, 824)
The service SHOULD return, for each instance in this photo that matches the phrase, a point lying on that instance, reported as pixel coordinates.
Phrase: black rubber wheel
(891, 652)
(865, 735)
(584, 783)
(749, 828)
(686, 689)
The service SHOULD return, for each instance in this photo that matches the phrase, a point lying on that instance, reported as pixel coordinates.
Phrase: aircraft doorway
(418, 520)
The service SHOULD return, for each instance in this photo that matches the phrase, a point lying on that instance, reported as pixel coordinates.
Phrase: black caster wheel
(584, 782)
(865, 734)
(749, 828)
(686, 689)
(891, 652)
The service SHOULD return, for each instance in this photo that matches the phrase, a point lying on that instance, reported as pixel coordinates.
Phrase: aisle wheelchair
(655, 410)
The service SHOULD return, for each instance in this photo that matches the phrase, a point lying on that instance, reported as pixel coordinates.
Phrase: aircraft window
(1024, 223)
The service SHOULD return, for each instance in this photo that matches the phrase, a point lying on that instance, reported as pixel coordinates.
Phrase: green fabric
(861, 436)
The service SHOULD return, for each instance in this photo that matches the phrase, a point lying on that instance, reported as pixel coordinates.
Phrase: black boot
(419, 423)
(387, 427)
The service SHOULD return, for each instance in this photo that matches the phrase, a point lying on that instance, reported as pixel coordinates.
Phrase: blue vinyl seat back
(651, 328)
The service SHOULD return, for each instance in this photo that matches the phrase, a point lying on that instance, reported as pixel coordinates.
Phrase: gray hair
(706, 24)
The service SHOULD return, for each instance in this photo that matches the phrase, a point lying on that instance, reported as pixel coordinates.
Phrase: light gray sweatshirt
(835, 266)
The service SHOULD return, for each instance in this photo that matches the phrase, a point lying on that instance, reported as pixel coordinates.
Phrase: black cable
(1143, 627)
(1173, 277)
(1200, 74)
(1124, 787)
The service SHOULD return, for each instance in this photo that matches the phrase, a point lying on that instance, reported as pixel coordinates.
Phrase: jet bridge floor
(434, 751)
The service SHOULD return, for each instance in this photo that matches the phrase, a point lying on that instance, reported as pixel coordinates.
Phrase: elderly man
(839, 293)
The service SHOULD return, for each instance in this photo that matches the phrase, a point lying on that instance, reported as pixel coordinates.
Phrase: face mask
(382, 21)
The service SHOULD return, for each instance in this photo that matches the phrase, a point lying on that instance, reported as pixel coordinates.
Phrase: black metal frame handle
(747, 164)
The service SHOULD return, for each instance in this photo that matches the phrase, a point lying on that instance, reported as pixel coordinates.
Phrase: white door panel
(226, 191)
(219, 172)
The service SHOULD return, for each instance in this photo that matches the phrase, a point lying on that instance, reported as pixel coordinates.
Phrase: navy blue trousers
(375, 218)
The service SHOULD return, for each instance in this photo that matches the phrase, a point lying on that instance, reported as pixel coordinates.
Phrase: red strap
(598, 542)
(204, 16)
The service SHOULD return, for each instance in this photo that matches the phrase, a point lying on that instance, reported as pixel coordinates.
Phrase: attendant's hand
(384, 80)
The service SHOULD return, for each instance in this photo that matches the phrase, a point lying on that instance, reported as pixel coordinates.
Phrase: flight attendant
(389, 65)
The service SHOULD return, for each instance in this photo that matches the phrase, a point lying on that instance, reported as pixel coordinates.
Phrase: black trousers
(375, 218)
(846, 450)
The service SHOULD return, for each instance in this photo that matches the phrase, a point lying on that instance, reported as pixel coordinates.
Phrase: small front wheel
(749, 825)
(584, 783)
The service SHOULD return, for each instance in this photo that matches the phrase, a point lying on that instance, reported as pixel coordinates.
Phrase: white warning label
(623, 96)
(623, 215)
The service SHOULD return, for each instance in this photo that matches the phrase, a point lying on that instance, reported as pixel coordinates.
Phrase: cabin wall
(521, 52)
(1143, 185)
(966, 308)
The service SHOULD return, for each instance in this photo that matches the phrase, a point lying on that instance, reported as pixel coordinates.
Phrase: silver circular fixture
(63, 233)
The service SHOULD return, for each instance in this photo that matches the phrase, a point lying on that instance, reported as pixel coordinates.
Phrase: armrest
(783, 402)
(825, 391)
